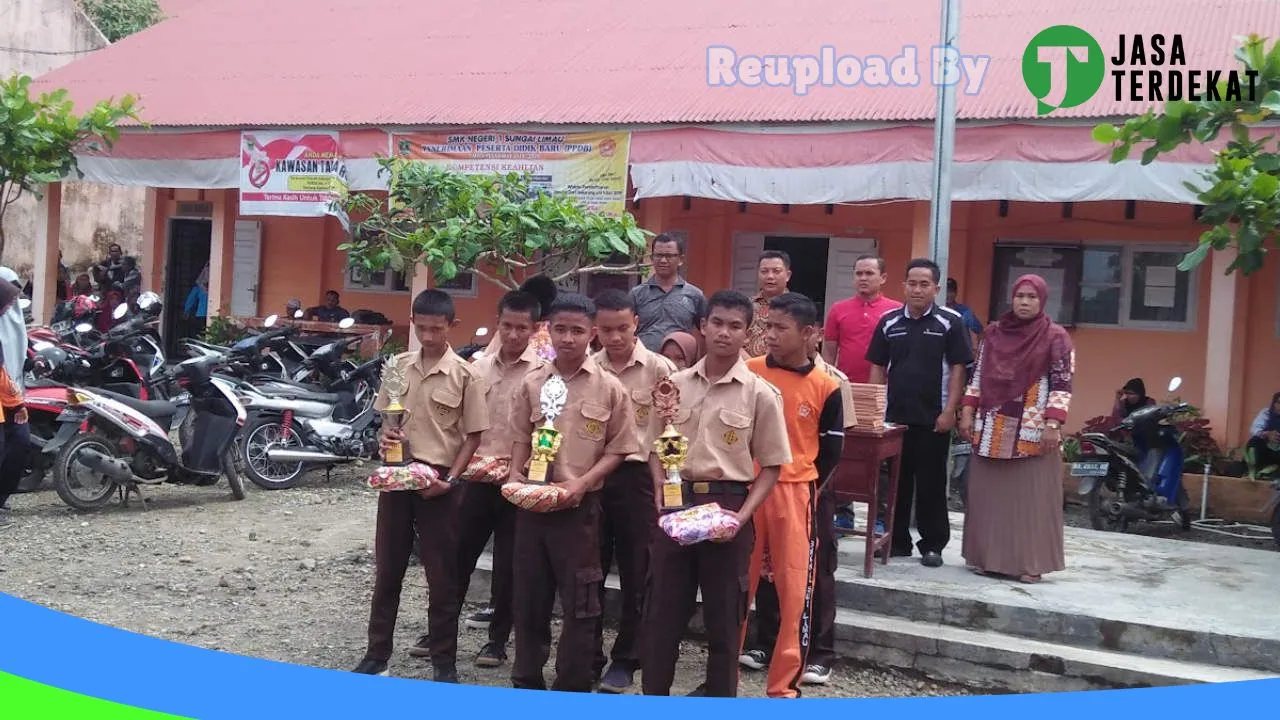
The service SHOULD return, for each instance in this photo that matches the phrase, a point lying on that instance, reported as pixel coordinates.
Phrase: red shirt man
(851, 323)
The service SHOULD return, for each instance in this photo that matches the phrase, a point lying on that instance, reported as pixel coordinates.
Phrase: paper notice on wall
(1162, 276)
(1053, 277)
(1158, 297)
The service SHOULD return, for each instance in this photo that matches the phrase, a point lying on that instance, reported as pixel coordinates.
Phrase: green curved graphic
(28, 700)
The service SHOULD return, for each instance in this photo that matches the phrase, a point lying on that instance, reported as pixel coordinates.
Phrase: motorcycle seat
(306, 395)
(161, 411)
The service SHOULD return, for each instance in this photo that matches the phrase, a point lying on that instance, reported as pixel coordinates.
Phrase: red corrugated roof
(250, 63)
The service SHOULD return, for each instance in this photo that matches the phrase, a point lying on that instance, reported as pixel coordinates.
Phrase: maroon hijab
(1016, 353)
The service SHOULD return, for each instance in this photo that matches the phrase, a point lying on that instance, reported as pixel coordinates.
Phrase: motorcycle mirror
(270, 321)
(481, 332)
(345, 323)
(297, 314)
(83, 328)
(120, 311)
(147, 299)
(1175, 383)
(95, 298)
(23, 304)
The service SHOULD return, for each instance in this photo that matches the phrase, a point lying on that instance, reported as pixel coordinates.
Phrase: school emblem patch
(730, 437)
(807, 410)
(443, 410)
(593, 428)
(642, 413)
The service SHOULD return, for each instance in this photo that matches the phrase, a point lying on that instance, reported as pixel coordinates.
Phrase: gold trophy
(671, 446)
(546, 439)
(395, 414)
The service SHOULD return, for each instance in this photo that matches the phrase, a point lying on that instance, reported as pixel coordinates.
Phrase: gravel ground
(252, 577)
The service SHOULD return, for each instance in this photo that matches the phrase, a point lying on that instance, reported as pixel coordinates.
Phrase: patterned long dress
(1013, 519)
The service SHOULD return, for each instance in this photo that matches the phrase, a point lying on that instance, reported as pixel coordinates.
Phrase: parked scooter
(474, 349)
(109, 442)
(1139, 482)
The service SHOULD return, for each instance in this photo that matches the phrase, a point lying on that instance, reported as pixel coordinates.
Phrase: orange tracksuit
(784, 523)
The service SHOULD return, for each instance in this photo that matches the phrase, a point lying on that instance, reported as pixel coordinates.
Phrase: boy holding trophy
(627, 498)
(433, 407)
(572, 424)
(728, 421)
(785, 524)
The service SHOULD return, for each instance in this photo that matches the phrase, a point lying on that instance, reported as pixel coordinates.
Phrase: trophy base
(541, 472)
(674, 497)
(395, 456)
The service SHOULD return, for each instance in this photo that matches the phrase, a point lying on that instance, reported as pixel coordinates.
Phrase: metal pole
(944, 142)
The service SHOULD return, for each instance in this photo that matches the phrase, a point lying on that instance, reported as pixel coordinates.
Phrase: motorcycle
(292, 430)
(474, 349)
(123, 443)
(1142, 481)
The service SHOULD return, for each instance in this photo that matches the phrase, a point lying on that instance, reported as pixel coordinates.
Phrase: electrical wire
(26, 51)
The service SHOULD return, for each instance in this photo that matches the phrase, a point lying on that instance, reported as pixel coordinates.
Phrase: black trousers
(485, 513)
(822, 648)
(1263, 456)
(626, 526)
(15, 445)
(923, 478)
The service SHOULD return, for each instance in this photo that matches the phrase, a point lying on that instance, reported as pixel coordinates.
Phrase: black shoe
(420, 649)
(617, 680)
(700, 691)
(491, 655)
(931, 559)
(481, 620)
(445, 674)
(372, 667)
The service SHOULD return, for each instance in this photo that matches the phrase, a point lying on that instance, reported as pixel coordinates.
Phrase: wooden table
(857, 479)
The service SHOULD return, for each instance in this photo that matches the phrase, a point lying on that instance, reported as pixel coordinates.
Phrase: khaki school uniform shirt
(501, 383)
(732, 424)
(596, 421)
(846, 390)
(445, 403)
(642, 371)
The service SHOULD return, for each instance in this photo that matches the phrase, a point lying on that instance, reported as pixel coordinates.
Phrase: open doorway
(808, 265)
(186, 257)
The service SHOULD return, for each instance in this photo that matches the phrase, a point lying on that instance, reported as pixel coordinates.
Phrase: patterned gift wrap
(699, 523)
(536, 498)
(414, 476)
(486, 469)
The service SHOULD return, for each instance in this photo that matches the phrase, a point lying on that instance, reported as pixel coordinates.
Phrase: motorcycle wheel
(233, 475)
(62, 470)
(1099, 518)
(258, 436)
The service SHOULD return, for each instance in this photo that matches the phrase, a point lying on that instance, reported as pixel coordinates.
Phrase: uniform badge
(593, 428)
(642, 413)
(806, 409)
(443, 410)
(730, 437)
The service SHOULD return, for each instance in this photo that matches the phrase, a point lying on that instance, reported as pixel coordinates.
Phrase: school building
(734, 163)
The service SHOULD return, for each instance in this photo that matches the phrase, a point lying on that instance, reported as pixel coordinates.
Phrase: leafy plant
(118, 19)
(394, 346)
(500, 227)
(39, 138)
(222, 330)
(1255, 472)
(1242, 199)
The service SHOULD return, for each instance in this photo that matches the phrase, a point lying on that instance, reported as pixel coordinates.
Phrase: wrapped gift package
(536, 498)
(414, 476)
(487, 470)
(699, 523)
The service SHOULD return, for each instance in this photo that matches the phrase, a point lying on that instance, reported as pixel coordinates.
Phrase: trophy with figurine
(671, 446)
(546, 438)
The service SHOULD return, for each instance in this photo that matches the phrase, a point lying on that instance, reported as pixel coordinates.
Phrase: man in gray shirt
(665, 303)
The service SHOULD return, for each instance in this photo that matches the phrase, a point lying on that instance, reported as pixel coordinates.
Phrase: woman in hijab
(15, 438)
(681, 348)
(1264, 435)
(1131, 398)
(1013, 413)
(13, 333)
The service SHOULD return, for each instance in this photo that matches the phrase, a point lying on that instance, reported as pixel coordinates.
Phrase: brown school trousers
(676, 574)
(484, 513)
(627, 523)
(557, 554)
(436, 521)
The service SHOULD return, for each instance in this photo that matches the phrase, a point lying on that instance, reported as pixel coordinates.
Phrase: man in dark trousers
(921, 351)
(629, 515)
(734, 421)
(558, 552)
(447, 414)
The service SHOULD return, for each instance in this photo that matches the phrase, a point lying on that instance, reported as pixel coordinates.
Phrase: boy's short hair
(616, 300)
(521, 302)
(800, 308)
(573, 303)
(435, 303)
(732, 300)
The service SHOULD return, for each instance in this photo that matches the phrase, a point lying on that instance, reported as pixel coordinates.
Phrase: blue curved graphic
(79, 656)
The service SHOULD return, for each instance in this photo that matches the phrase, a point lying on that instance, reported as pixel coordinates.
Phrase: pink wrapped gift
(414, 476)
(487, 469)
(699, 523)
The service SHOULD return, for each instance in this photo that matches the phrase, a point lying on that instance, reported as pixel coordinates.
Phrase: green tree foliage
(497, 226)
(39, 138)
(119, 19)
(1241, 197)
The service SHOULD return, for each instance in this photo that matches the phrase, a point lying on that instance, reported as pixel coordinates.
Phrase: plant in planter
(1258, 473)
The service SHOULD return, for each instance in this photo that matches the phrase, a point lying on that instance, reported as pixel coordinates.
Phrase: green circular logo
(1063, 66)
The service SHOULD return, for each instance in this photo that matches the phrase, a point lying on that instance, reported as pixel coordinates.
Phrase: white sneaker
(816, 675)
(754, 659)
